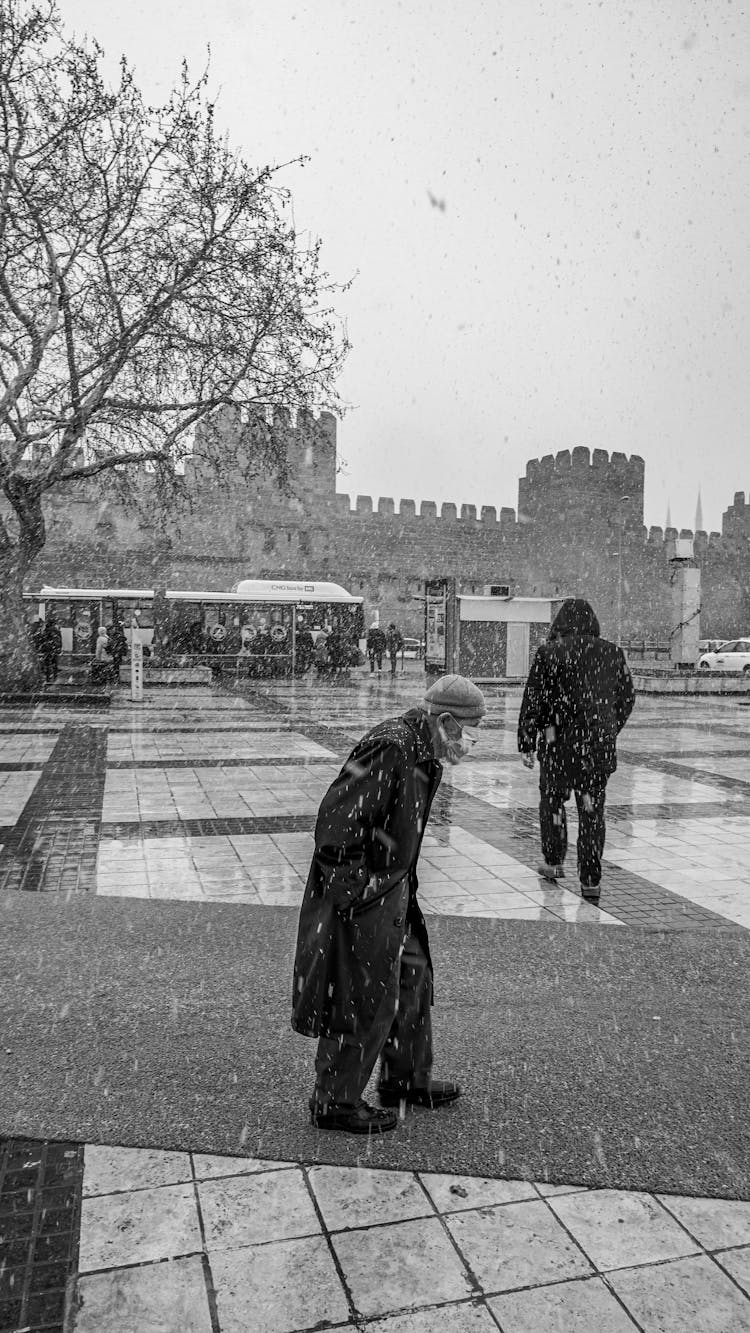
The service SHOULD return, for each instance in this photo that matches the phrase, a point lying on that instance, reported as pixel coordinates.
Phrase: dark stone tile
(16, 1180)
(61, 1196)
(16, 1201)
(16, 1226)
(10, 1312)
(15, 1253)
(60, 820)
(53, 1249)
(41, 1245)
(44, 1308)
(54, 1221)
(49, 1277)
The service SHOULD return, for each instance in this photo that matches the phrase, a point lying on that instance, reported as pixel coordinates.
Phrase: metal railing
(643, 648)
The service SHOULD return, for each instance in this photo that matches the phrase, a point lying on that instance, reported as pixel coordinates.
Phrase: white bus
(264, 621)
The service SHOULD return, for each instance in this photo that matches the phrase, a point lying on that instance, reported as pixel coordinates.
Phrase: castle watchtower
(584, 491)
(308, 447)
(735, 520)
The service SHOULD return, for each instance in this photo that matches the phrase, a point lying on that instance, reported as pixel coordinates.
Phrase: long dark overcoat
(579, 685)
(361, 891)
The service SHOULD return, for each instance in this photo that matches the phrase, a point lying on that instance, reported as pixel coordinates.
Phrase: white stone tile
(467, 1317)
(618, 1229)
(110, 1170)
(391, 1268)
(516, 1245)
(507, 900)
(249, 1209)
(531, 912)
(687, 1294)
(548, 1191)
(152, 1299)
(207, 1166)
(278, 1288)
(737, 1262)
(570, 1307)
(138, 1227)
(359, 1197)
(452, 1193)
(716, 1223)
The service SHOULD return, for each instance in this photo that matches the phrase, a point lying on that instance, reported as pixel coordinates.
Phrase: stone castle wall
(577, 530)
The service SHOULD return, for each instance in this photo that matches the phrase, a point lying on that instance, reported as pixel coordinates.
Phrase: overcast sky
(583, 276)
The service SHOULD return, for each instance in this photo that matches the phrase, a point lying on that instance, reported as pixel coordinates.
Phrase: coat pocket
(367, 903)
(367, 946)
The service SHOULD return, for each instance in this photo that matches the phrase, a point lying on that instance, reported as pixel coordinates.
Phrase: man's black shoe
(439, 1093)
(590, 894)
(359, 1119)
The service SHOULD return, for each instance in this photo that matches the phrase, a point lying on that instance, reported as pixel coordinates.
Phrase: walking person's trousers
(591, 825)
(401, 1032)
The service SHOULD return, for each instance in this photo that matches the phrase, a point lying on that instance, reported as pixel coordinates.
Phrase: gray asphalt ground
(609, 1057)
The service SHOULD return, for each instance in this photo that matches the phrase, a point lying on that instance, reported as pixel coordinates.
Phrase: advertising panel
(436, 647)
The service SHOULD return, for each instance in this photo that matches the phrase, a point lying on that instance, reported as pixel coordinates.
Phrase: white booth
(486, 637)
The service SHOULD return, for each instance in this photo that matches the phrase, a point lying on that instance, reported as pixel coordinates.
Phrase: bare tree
(148, 276)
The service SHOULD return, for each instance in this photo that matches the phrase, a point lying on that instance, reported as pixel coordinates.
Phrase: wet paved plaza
(202, 796)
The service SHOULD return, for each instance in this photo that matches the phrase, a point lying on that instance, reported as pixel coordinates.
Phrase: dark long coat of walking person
(363, 972)
(578, 697)
(51, 641)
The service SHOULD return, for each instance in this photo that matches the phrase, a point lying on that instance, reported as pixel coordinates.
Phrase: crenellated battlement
(308, 443)
(407, 512)
(580, 461)
(605, 489)
(385, 516)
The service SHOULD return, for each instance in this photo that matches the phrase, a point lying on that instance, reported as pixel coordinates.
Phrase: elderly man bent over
(363, 973)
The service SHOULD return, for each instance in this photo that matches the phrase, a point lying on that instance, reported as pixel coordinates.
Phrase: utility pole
(624, 499)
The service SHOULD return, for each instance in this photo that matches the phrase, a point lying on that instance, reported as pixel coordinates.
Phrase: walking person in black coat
(395, 642)
(118, 647)
(578, 697)
(51, 641)
(375, 645)
(363, 973)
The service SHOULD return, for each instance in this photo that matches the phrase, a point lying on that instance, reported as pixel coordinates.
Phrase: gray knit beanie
(458, 696)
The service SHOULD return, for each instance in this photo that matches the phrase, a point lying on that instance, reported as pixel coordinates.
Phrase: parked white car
(734, 655)
(709, 646)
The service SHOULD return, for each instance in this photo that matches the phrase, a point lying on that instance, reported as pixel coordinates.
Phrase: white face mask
(457, 742)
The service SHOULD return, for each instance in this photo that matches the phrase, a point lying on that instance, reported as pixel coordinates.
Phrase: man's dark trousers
(591, 825)
(401, 1034)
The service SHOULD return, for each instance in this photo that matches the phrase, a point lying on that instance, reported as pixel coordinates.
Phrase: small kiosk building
(487, 638)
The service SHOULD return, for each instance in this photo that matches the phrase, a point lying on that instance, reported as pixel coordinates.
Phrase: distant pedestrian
(363, 973)
(304, 648)
(578, 697)
(36, 632)
(375, 646)
(394, 642)
(101, 667)
(118, 647)
(339, 651)
(321, 653)
(51, 640)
